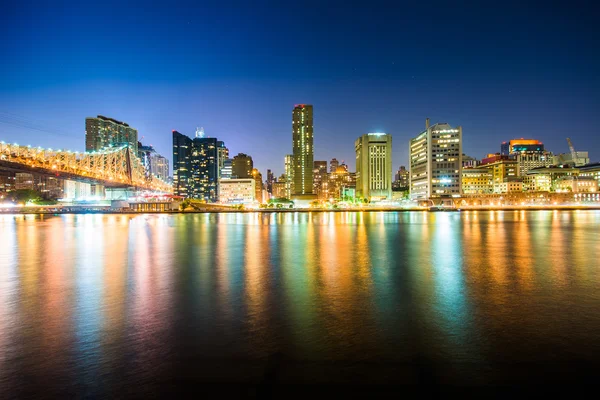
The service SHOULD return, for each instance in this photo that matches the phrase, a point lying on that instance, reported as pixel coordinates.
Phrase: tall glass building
(204, 180)
(302, 149)
(182, 163)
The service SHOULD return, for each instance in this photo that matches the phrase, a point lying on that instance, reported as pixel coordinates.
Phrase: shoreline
(307, 210)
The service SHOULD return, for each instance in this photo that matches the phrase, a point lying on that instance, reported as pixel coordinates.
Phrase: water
(101, 305)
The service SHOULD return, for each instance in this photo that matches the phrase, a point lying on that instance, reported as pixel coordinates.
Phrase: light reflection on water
(97, 299)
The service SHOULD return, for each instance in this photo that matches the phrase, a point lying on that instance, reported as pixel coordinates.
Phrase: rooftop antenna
(200, 132)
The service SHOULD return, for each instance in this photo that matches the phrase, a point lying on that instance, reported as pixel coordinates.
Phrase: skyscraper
(436, 162)
(258, 185)
(204, 179)
(402, 178)
(333, 164)
(182, 163)
(302, 135)
(319, 177)
(223, 155)
(242, 166)
(102, 132)
(154, 163)
(289, 175)
(374, 166)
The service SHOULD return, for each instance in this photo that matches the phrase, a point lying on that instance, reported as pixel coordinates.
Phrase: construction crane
(573, 152)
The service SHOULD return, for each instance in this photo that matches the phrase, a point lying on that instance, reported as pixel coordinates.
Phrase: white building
(237, 191)
(436, 162)
(374, 166)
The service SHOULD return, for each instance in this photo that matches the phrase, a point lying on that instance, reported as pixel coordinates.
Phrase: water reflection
(100, 299)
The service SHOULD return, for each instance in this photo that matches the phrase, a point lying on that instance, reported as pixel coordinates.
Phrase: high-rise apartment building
(227, 169)
(374, 166)
(436, 162)
(289, 175)
(103, 132)
(302, 136)
(242, 166)
(182, 163)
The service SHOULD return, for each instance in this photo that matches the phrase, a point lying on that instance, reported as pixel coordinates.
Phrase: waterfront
(104, 304)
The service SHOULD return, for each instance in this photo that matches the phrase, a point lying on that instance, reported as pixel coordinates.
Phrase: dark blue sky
(500, 70)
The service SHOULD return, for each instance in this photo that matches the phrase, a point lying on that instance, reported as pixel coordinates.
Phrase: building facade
(204, 178)
(401, 179)
(302, 149)
(182, 163)
(289, 175)
(436, 162)
(103, 132)
(258, 185)
(477, 180)
(242, 166)
(237, 191)
(319, 177)
(154, 163)
(374, 166)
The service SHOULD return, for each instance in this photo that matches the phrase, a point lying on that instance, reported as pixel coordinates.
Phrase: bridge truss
(115, 167)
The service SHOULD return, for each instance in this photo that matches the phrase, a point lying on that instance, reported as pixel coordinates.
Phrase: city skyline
(238, 79)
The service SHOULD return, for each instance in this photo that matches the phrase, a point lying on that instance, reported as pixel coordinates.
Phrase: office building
(182, 163)
(319, 177)
(469, 162)
(477, 180)
(577, 184)
(515, 146)
(258, 185)
(374, 166)
(204, 178)
(223, 155)
(227, 169)
(154, 164)
(242, 166)
(333, 165)
(401, 179)
(279, 189)
(436, 162)
(102, 132)
(581, 158)
(289, 175)
(338, 181)
(270, 181)
(237, 191)
(302, 136)
(503, 169)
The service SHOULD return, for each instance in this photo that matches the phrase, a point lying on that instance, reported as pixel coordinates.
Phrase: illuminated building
(270, 181)
(553, 173)
(537, 183)
(7, 181)
(242, 166)
(204, 178)
(333, 164)
(509, 186)
(576, 184)
(402, 178)
(24, 181)
(503, 169)
(279, 189)
(223, 156)
(237, 191)
(320, 178)
(592, 170)
(374, 166)
(302, 136)
(477, 180)
(469, 162)
(436, 162)
(289, 173)
(258, 185)
(182, 163)
(227, 169)
(154, 163)
(338, 181)
(521, 145)
(581, 158)
(102, 132)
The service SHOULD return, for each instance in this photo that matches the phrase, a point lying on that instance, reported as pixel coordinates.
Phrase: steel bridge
(115, 167)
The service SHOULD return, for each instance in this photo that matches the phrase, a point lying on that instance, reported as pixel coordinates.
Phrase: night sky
(500, 71)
